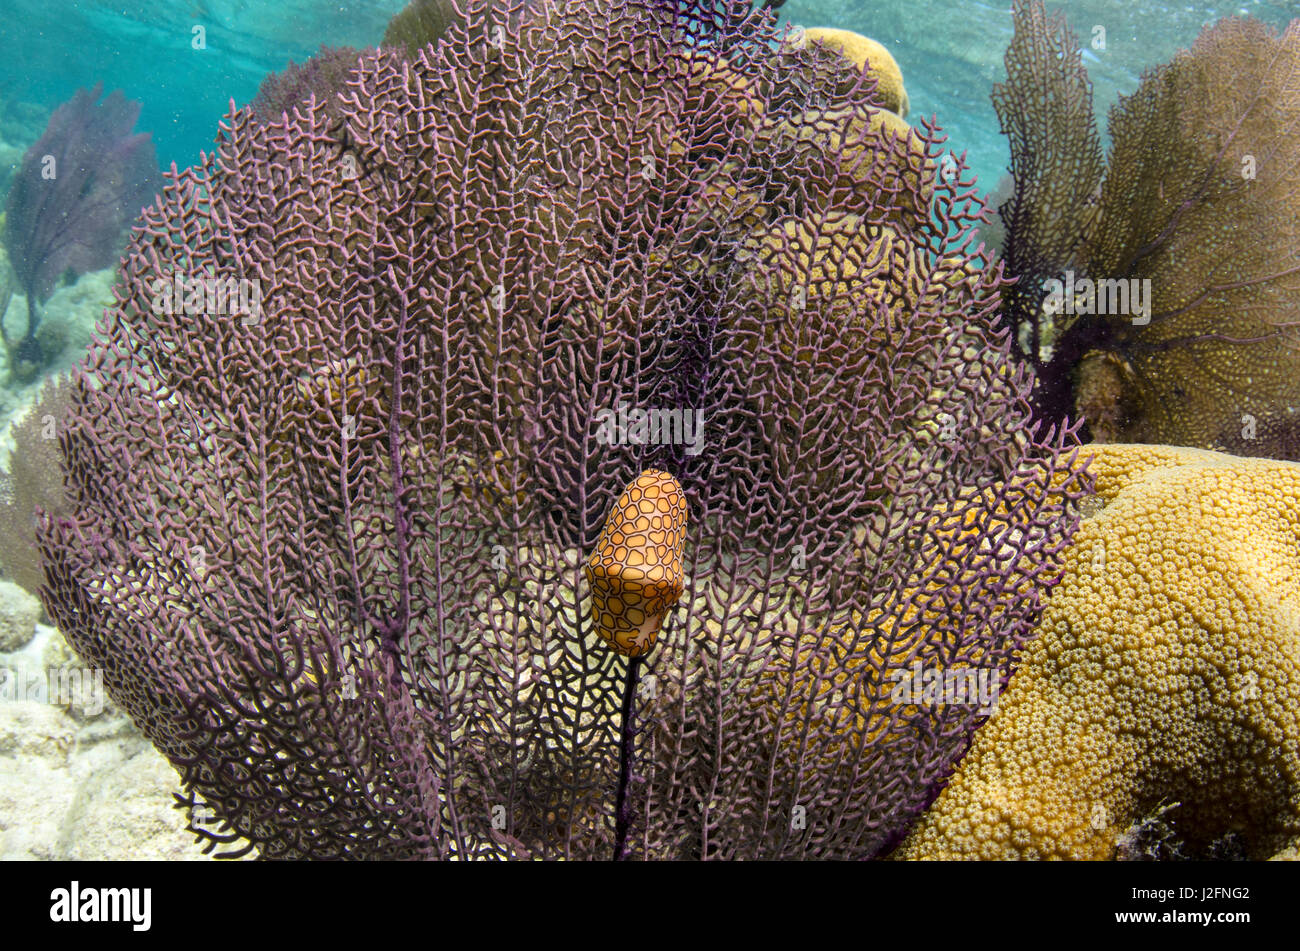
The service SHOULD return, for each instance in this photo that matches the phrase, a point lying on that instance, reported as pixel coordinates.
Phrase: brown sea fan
(1197, 206)
(32, 482)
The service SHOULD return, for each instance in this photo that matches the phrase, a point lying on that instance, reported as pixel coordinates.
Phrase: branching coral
(329, 550)
(1045, 107)
(1165, 677)
(421, 22)
(866, 54)
(1195, 217)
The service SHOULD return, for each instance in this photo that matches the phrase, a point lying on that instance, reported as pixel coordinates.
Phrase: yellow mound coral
(865, 53)
(835, 260)
(862, 155)
(724, 208)
(1166, 670)
(722, 88)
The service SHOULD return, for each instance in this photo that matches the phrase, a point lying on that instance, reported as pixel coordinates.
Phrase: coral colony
(193, 295)
(390, 570)
(1183, 241)
(1106, 297)
(1133, 726)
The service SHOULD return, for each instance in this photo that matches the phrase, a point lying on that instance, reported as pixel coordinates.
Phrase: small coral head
(635, 572)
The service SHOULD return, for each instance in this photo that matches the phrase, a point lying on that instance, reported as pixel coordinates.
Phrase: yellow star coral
(837, 260)
(825, 294)
(1167, 669)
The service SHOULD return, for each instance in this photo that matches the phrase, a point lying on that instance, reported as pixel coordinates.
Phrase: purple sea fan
(79, 187)
(321, 75)
(330, 552)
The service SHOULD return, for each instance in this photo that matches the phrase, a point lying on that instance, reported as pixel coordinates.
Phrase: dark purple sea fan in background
(80, 186)
(322, 75)
(329, 555)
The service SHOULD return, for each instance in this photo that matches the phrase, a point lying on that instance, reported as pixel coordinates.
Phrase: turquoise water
(950, 52)
(50, 48)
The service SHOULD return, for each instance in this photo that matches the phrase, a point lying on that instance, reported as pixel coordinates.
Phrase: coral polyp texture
(1159, 289)
(322, 75)
(329, 550)
(1164, 680)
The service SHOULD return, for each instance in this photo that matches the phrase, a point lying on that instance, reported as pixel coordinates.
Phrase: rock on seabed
(82, 789)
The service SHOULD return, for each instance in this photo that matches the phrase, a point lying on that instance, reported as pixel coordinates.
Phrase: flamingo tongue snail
(635, 572)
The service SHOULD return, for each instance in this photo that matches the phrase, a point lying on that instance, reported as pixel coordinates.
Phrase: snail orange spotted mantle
(635, 572)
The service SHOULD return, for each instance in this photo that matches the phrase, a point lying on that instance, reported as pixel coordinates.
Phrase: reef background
(950, 52)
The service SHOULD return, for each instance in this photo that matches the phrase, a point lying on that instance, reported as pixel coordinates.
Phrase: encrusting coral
(1158, 292)
(329, 550)
(1164, 679)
